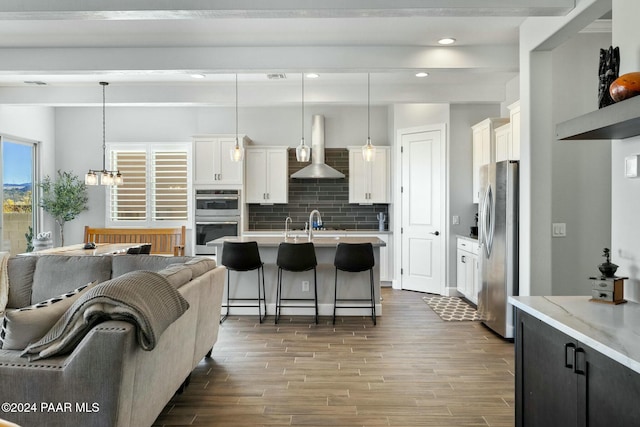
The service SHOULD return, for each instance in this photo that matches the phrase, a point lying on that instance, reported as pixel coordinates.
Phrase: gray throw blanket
(143, 298)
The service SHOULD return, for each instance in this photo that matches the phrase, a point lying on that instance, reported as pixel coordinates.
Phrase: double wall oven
(217, 215)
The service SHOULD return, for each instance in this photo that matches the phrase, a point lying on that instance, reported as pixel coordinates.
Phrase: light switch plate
(456, 220)
(559, 229)
(631, 166)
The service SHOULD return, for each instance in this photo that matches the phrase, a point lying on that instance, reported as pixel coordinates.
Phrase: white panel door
(422, 239)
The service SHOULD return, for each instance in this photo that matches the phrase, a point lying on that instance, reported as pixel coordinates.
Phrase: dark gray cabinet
(562, 382)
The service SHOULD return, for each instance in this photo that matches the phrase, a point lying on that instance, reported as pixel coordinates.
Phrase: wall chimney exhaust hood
(317, 169)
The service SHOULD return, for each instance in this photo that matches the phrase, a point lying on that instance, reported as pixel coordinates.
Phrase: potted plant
(63, 198)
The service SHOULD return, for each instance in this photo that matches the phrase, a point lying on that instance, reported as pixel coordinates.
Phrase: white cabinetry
(212, 160)
(468, 278)
(503, 142)
(267, 180)
(369, 182)
(483, 149)
(514, 118)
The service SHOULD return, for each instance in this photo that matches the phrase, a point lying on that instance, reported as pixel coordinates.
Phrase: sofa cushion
(56, 274)
(23, 326)
(177, 274)
(201, 265)
(21, 271)
(123, 264)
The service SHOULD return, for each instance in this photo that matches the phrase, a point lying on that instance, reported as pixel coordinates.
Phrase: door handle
(568, 346)
(435, 233)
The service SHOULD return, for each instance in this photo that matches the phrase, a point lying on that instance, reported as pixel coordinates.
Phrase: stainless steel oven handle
(217, 223)
(217, 197)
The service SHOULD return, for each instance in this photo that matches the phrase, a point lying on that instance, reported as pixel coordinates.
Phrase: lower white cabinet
(468, 277)
(266, 180)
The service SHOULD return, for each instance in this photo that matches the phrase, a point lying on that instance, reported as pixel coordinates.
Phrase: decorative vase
(625, 86)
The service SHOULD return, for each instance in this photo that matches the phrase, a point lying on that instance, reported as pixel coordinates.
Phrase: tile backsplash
(329, 196)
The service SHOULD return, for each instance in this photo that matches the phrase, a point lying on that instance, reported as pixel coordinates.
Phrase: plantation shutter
(156, 185)
(128, 201)
(169, 189)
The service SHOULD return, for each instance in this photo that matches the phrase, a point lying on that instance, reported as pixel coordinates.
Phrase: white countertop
(473, 239)
(316, 232)
(320, 242)
(613, 330)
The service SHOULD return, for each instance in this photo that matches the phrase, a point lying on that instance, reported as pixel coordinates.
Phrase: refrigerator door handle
(488, 220)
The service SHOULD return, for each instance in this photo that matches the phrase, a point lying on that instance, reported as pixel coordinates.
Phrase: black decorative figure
(607, 73)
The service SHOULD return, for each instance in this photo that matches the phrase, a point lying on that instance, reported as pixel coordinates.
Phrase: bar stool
(296, 257)
(243, 256)
(354, 258)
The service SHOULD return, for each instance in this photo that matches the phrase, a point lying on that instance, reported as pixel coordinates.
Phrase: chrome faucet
(313, 212)
(286, 227)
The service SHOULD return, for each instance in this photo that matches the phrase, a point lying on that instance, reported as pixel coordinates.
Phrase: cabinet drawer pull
(463, 259)
(577, 351)
(571, 364)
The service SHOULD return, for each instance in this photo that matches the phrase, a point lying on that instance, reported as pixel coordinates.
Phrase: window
(18, 174)
(156, 185)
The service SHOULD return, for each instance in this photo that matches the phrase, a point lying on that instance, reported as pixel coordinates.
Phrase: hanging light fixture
(107, 177)
(368, 150)
(303, 152)
(237, 152)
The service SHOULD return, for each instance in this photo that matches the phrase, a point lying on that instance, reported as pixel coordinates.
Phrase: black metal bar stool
(243, 256)
(354, 258)
(296, 257)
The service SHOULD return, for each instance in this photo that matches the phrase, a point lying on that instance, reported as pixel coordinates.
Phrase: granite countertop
(610, 329)
(320, 242)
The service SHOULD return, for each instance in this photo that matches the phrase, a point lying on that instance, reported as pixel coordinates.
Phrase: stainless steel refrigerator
(498, 239)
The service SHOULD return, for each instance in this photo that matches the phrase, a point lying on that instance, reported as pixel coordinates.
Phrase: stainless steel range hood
(317, 169)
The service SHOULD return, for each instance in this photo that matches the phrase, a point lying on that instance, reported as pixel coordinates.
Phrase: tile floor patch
(451, 308)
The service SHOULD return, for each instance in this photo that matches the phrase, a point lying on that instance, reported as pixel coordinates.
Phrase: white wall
(542, 261)
(36, 124)
(581, 170)
(625, 197)
(79, 135)
(463, 116)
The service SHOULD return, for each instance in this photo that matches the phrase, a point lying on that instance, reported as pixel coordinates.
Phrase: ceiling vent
(277, 76)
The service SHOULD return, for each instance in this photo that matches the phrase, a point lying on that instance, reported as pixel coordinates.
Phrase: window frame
(149, 148)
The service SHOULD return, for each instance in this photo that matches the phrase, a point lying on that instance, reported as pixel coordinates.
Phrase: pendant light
(237, 152)
(303, 152)
(368, 150)
(107, 177)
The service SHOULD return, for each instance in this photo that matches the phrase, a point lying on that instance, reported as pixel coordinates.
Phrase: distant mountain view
(16, 197)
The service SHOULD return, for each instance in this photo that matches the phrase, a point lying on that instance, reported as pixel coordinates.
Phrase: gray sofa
(107, 379)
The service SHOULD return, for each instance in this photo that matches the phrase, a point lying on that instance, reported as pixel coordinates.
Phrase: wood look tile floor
(412, 369)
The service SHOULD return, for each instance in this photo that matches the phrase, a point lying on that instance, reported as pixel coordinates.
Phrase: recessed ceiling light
(197, 76)
(313, 75)
(422, 74)
(447, 40)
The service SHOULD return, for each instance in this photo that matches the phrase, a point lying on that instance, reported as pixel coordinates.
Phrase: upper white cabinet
(369, 182)
(514, 119)
(267, 175)
(484, 147)
(503, 142)
(212, 160)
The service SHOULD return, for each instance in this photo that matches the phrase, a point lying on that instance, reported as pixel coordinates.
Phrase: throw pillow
(28, 324)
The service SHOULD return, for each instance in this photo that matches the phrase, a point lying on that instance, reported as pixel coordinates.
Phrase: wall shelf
(617, 121)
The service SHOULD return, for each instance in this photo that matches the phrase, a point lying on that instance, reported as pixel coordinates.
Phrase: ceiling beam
(211, 9)
(256, 59)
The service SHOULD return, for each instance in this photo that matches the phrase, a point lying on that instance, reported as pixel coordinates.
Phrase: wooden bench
(164, 241)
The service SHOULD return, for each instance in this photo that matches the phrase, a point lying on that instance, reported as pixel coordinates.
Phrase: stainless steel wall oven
(217, 215)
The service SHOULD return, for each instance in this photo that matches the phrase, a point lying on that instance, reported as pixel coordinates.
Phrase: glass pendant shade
(106, 178)
(303, 152)
(91, 178)
(368, 151)
(237, 152)
(118, 180)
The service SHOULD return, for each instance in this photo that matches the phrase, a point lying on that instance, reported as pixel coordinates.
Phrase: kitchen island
(352, 285)
(577, 362)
